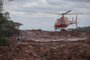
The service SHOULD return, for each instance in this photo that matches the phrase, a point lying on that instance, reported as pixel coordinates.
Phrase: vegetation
(4, 42)
(7, 26)
(81, 29)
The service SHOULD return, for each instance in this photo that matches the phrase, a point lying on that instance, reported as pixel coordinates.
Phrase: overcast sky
(42, 14)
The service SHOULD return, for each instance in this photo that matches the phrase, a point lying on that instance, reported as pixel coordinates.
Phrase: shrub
(4, 42)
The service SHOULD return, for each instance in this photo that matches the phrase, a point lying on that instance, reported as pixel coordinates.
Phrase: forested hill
(81, 29)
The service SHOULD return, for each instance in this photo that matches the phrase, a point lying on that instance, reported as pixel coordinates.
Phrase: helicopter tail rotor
(76, 20)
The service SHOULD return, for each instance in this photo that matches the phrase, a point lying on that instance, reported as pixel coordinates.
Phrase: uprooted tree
(7, 26)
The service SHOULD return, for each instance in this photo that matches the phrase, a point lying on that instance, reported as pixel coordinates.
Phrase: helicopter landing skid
(61, 30)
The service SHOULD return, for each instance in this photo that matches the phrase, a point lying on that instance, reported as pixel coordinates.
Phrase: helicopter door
(66, 20)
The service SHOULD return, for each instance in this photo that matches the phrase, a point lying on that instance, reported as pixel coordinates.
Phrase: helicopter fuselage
(63, 22)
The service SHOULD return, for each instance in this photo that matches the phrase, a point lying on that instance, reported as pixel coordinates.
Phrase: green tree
(7, 26)
(1, 5)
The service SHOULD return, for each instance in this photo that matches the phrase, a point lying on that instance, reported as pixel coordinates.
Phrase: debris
(47, 46)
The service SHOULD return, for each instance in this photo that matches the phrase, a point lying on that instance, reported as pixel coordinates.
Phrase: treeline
(81, 29)
(7, 26)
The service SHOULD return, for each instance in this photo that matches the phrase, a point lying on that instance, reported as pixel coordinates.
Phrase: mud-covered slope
(30, 49)
(79, 50)
(45, 36)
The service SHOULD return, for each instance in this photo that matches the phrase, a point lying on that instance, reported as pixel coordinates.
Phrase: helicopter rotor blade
(74, 13)
(71, 14)
(64, 13)
(59, 14)
(67, 12)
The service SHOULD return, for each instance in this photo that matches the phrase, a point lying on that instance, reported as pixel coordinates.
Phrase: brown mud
(44, 45)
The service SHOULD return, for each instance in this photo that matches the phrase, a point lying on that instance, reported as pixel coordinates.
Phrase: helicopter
(63, 21)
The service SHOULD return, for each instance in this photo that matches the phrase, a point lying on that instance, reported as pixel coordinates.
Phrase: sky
(42, 14)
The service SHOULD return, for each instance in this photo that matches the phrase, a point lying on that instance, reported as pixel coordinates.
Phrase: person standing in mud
(18, 38)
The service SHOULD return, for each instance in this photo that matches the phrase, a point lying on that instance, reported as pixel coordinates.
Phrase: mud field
(44, 45)
(46, 36)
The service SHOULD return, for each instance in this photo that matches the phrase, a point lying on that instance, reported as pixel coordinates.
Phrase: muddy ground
(44, 45)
